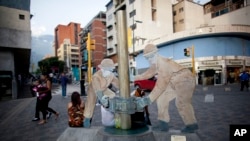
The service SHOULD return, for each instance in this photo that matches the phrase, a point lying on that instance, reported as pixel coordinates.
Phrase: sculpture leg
(89, 107)
(162, 105)
(184, 92)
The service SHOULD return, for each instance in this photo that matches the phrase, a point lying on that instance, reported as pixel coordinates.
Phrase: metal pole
(89, 58)
(123, 68)
(193, 64)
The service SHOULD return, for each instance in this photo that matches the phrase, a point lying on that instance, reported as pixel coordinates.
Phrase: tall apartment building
(70, 32)
(146, 21)
(15, 44)
(69, 53)
(67, 47)
(97, 29)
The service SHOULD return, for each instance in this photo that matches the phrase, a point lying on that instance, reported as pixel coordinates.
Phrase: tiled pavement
(214, 118)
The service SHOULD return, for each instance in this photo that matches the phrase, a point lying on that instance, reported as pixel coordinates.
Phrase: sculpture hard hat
(107, 63)
(149, 49)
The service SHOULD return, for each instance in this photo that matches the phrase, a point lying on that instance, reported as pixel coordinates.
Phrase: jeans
(64, 89)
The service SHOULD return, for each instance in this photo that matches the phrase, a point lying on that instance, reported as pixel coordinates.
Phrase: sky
(47, 14)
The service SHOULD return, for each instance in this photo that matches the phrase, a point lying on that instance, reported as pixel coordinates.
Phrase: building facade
(70, 32)
(69, 53)
(220, 37)
(15, 45)
(67, 47)
(146, 21)
(97, 30)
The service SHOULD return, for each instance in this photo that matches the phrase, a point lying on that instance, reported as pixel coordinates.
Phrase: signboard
(234, 62)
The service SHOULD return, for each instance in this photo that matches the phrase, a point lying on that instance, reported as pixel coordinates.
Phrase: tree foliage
(46, 65)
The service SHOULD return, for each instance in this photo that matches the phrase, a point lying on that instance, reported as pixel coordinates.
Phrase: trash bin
(83, 93)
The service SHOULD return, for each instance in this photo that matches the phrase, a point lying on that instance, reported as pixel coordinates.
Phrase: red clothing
(76, 116)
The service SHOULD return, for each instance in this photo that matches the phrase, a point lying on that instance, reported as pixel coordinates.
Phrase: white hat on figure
(107, 64)
(149, 50)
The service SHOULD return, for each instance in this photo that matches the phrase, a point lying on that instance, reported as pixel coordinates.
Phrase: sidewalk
(214, 118)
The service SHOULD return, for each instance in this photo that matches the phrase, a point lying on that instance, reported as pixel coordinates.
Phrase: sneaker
(35, 119)
(48, 115)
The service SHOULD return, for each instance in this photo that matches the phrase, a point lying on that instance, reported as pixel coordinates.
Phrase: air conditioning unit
(132, 63)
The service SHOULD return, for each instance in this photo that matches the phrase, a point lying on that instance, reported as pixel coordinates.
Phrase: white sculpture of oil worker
(174, 81)
(99, 89)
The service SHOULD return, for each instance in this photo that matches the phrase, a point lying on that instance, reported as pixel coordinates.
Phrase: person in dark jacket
(64, 81)
(244, 79)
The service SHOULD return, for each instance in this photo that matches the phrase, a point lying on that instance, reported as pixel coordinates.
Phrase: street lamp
(133, 27)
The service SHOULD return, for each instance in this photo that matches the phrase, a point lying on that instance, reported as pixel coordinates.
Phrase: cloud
(37, 30)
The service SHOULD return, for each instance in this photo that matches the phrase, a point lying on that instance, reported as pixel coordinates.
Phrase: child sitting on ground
(75, 110)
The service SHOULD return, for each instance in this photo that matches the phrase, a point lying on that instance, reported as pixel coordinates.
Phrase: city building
(69, 53)
(218, 31)
(146, 21)
(15, 46)
(97, 30)
(67, 47)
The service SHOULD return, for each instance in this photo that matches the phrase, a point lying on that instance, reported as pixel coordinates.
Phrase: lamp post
(133, 27)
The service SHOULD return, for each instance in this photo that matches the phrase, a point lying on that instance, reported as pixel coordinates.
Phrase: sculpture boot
(190, 128)
(161, 126)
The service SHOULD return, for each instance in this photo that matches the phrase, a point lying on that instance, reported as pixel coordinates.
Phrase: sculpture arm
(147, 74)
(115, 82)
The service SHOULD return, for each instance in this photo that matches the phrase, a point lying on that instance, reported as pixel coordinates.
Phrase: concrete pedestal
(112, 134)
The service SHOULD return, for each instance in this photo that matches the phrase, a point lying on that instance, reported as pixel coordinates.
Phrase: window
(153, 14)
(131, 1)
(133, 13)
(110, 17)
(21, 17)
(181, 21)
(153, 10)
(181, 9)
(74, 50)
(174, 13)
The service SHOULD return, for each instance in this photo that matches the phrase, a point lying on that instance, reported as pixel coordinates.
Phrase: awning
(210, 68)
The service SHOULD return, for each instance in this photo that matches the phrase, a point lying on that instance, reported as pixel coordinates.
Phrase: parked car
(145, 84)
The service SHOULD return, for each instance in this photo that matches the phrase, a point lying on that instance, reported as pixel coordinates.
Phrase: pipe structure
(123, 64)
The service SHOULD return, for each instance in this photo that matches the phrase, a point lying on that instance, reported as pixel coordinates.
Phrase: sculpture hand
(86, 123)
(142, 102)
(105, 101)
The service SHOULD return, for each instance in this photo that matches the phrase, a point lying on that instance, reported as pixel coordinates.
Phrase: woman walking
(48, 84)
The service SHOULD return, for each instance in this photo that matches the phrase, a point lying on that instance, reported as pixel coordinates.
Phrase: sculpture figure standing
(99, 89)
(174, 81)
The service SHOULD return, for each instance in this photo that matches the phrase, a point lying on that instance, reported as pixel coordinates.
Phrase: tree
(48, 64)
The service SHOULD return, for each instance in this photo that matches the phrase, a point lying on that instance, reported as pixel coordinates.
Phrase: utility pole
(187, 54)
(193, 63)
(89, 58)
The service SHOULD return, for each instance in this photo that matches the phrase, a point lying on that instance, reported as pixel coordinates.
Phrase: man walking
(244, 79)
(64, 81)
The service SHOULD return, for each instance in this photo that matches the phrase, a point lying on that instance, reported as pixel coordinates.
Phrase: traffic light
(187, 52)
(92, 44)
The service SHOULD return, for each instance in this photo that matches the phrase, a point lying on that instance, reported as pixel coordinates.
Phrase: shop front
(210, 72)
(234, 68)
(247, 65)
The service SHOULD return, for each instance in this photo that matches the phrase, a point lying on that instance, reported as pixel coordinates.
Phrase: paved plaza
(216, 107)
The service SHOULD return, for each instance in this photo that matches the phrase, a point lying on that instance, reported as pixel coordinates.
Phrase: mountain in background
(40, 47)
